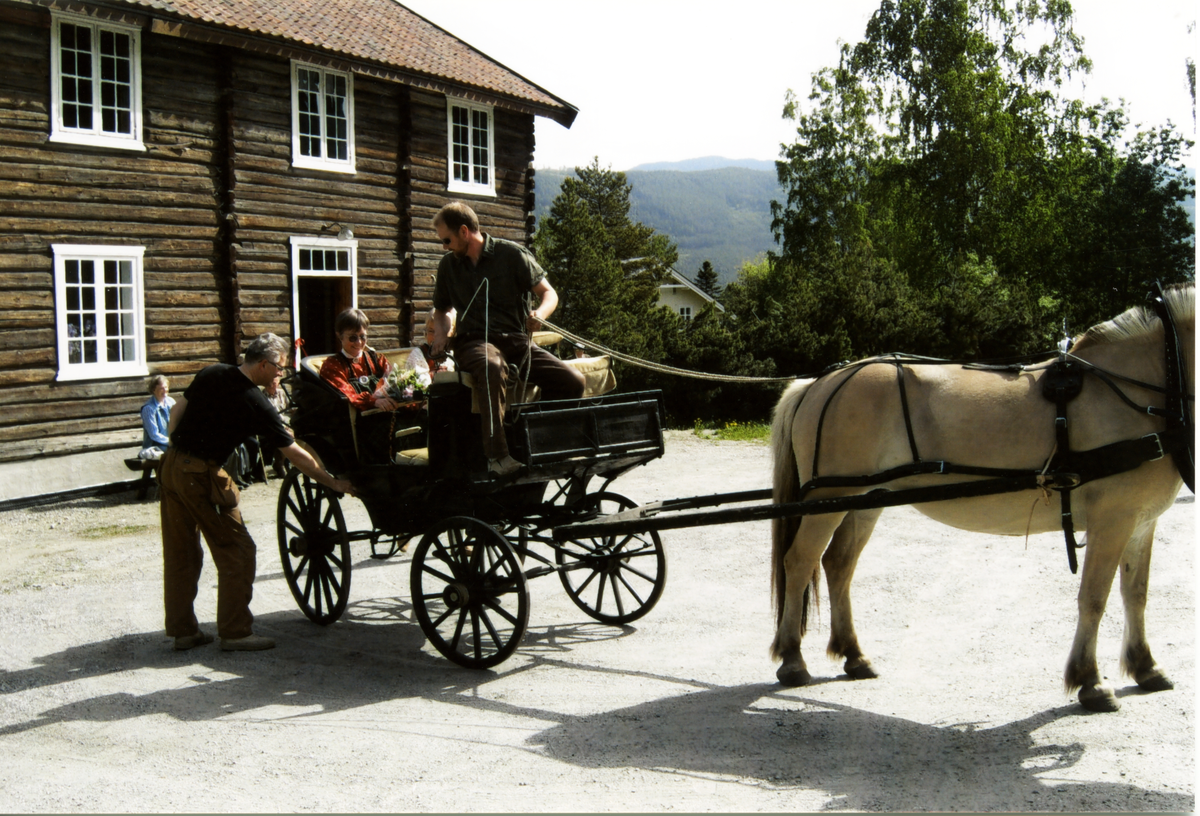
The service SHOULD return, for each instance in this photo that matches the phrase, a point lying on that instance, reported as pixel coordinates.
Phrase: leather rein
(1066, 469)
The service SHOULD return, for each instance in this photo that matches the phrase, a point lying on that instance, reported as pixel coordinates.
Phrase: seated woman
(435, 363)
(156, 416)
(356, 370)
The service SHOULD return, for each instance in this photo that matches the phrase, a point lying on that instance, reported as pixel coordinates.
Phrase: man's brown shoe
(250, 643)
(182, 644)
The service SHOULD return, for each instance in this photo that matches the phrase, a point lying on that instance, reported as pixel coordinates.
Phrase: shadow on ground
(757, 733)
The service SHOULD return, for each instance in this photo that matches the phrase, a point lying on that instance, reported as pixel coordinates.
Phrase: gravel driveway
(679, 711)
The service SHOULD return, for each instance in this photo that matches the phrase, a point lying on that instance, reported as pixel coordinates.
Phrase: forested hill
(721, 215)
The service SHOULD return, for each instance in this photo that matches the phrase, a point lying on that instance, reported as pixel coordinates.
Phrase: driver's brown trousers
(488, 363)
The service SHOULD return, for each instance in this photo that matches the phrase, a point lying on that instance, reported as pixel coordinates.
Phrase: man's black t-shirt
(223, 409)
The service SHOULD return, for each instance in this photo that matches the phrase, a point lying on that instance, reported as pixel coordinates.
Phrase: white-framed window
(99, 311)
(322, 119)
(95, 83)
(471, 148)
(685, 312)
(324, 283)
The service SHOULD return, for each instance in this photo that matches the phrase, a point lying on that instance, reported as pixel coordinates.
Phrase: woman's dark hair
(351, 319)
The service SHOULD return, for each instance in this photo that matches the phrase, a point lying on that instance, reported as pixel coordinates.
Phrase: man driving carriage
(490, 284)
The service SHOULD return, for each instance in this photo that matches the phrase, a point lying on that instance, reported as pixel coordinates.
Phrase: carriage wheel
(469, 593)
(614, 578)
(314, 548)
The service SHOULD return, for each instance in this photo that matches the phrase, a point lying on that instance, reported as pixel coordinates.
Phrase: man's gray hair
(267, 347)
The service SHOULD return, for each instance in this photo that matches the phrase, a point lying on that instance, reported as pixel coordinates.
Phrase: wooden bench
(149, 469)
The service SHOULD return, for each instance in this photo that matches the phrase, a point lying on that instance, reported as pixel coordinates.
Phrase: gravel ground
(678, 711)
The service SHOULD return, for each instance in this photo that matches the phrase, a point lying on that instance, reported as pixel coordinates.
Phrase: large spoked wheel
(469, 593)
(616, 579)
(314, 548)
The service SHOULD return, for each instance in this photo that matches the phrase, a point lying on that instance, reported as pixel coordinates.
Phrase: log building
(178, 176)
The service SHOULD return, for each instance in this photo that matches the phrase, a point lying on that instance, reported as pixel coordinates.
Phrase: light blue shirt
(155, 419)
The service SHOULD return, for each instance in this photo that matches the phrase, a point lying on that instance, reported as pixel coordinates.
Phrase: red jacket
(356, 379)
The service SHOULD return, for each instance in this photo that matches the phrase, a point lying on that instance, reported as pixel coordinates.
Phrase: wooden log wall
(271, 201)
(165, 199)
(214, 200)
(504, 216)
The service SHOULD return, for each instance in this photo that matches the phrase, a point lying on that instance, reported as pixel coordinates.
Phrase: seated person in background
(356, 370)
(156, 416)
(279, 399)
(435, 362)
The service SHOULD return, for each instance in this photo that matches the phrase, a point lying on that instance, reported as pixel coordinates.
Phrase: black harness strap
(912, 441)
(1062, 383)
(1179, 415)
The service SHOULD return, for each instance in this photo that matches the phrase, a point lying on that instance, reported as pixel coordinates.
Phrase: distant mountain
(709, 163)
(719, 215)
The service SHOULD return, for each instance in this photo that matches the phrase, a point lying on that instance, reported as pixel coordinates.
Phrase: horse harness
(1066, 469)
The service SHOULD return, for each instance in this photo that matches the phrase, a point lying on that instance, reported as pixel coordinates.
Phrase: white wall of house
(682, 297)
(678, 297)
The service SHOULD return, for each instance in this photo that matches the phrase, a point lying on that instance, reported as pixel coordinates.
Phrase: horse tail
(786, 485)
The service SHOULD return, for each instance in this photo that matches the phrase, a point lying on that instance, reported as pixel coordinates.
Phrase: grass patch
(734, 431)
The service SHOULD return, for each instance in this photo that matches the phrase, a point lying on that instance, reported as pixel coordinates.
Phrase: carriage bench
(149, 469)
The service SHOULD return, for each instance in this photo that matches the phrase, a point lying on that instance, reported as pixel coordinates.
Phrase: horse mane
(1141, 320)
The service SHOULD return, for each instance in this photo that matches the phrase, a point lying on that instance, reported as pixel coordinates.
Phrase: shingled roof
(380, 32)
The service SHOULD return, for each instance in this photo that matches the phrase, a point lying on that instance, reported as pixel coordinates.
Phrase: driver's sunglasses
(356, 338)
(445, 242)
(278, 367)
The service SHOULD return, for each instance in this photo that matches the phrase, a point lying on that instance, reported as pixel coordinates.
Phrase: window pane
(479, 138)
(115, 85)
(75, 81)
(337, 145)
(306, 260)
(460, 138)
(343, 261)
(308, 101)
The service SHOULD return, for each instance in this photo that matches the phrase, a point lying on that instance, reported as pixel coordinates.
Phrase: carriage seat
(597, 373)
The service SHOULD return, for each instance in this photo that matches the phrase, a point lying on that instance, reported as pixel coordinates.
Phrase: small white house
(683, 297)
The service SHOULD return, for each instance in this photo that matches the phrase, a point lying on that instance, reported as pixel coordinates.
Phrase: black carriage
(478, 540)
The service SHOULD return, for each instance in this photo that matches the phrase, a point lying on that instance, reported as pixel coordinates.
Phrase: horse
(878, 416)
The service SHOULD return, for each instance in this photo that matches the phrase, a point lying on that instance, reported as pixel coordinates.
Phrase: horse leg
(1106, 542)
(800, 564)
(1136, 660)
(839, 561)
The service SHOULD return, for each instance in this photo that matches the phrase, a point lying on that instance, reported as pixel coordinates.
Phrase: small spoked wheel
(314, 547)
(614, 578)
(469, 593)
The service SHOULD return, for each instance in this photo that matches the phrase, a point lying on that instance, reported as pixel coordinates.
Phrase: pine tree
(707, 281)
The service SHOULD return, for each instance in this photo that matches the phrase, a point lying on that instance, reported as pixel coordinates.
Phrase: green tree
(607, 270)
(937, 167)
(707, 281)
(605, 267)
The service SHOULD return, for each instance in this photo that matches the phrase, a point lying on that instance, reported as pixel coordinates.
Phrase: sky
(667, 80)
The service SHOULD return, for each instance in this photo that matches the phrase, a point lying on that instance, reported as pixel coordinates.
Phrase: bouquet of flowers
(405, 382)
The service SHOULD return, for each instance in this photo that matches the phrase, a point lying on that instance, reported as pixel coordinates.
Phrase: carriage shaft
(865, 501)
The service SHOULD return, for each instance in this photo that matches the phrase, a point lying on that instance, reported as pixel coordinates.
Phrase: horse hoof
(860, 669)
(1154, 680)
(793, 677)
(1098, 698)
